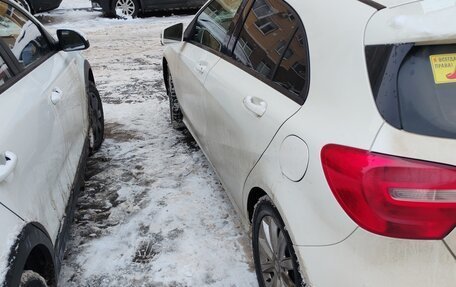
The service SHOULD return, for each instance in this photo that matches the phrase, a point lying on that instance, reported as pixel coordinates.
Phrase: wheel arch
(254, 196)
(88, 74)
(33, 250)
(165, 73)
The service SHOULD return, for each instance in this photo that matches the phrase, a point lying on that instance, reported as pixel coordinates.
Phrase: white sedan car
(332, 126)
(51, 119)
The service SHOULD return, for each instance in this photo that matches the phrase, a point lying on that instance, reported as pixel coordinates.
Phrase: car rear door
(35, 180)
(251, 95)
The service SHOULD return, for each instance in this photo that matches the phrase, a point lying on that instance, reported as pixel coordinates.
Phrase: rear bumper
(365, 259)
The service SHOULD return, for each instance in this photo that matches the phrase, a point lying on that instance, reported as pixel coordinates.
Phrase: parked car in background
(51, 119)
(332, 126)
(131, 8)
(37, 6)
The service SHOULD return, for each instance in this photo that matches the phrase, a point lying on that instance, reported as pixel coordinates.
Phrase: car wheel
(125, 8)
(275, 259)
(96, 132)
(24, 4)
(30, 278)
(174, 107)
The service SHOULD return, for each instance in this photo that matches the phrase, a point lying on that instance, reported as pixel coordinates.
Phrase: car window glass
(293, 69)
(22, 36)
(213, 24)
(265, 36)
(5, 73)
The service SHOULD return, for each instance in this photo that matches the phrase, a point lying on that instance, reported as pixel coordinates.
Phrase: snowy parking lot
(153, 212)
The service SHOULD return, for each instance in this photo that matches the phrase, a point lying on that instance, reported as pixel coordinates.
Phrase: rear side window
(292, 72)
(265, 36)
(272, 45)
(22, 36)
(416, 88)
(212, 25)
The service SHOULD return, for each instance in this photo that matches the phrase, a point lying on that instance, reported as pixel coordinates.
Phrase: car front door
(33, 157)
(205, 39)
(254, 93)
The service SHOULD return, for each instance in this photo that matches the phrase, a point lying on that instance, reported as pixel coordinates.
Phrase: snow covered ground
(153, 212)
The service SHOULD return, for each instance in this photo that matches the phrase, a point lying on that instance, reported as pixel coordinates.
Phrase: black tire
(275, 259)
(26, 5)
(30, 278)
(96, 116)
(127, 8)
(175, 111)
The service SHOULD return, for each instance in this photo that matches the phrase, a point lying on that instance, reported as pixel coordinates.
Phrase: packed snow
(152, 213)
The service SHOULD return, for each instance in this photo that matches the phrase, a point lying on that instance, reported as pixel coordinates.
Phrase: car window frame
(234, 35)
(11, 66)
(224, 51)
(13, 63)
(302, 97)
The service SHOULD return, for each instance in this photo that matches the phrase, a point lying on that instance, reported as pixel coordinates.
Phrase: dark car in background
(36, 6)
(131, 8)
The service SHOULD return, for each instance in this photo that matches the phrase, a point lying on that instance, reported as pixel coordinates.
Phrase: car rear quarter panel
(401, 143)
(339, 109)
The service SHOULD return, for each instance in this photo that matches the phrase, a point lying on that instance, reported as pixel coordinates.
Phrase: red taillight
(392, 196)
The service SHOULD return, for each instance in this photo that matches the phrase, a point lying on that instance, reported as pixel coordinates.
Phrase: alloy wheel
(275, 258)
(125, 8)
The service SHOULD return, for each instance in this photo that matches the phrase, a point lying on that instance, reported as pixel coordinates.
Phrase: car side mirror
(70, 40)
(172, 34)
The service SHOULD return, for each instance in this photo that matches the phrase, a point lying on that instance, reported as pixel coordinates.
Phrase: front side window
(22, 36)
(212, 25)
(267, 31)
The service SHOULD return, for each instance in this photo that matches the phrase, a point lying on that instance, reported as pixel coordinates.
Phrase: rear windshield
(415, 87)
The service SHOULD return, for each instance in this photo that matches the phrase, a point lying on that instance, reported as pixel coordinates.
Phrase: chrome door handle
(56, 95)
(255, 105)
(7, 164)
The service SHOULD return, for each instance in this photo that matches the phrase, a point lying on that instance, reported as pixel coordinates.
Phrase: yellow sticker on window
(444, 68)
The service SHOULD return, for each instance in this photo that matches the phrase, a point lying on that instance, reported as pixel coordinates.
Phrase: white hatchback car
(332, 126)
(51, 119)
